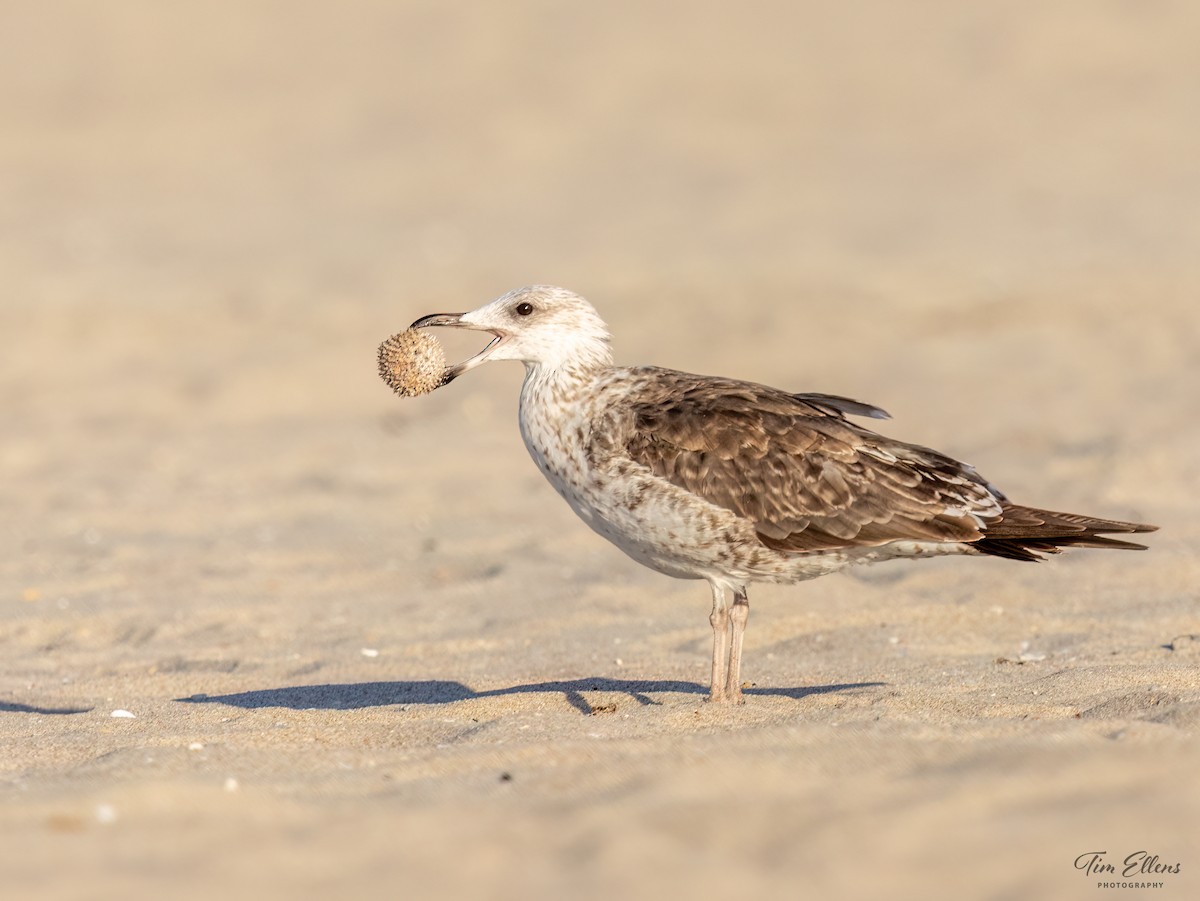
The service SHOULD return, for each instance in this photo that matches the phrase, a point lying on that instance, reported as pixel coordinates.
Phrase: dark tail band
(1026, 533)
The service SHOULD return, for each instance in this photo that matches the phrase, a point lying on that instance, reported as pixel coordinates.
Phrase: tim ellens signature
(1139, 863)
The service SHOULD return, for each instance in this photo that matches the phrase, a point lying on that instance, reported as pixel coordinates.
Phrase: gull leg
(738, 617)
(720, 661)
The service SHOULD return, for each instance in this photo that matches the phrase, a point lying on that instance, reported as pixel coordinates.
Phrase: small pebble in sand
(370, 652)
(196, 746)
(231, 784)
(123, 714)
(412, 362)
(106, 814)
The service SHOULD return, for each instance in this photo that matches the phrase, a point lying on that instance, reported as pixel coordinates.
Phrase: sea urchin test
(412, 362)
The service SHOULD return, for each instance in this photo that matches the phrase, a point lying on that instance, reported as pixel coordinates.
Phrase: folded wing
(795, 467)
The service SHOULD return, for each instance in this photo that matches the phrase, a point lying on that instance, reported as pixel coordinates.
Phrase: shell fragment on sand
(412, 362)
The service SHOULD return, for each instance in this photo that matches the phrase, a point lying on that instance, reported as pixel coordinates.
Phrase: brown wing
(797, 469)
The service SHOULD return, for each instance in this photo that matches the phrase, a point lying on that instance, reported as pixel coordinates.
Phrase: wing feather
(793, 465)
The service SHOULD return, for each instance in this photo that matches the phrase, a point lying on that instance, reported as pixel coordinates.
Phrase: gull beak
(456, 320)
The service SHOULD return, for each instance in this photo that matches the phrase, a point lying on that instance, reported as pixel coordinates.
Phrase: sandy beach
(267, 630)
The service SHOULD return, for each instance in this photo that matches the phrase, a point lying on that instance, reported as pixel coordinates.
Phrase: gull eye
(524, 309)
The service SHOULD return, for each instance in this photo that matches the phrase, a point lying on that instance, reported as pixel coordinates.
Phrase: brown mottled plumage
(732, 482)
(810, 480)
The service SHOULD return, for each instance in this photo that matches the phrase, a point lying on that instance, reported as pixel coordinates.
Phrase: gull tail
(1026, 533)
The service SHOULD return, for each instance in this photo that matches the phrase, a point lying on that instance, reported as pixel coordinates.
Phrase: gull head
(541, 326)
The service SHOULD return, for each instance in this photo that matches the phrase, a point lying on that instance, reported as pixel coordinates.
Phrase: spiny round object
(412, 362)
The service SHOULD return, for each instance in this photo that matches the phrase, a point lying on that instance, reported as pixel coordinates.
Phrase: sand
(267, 630)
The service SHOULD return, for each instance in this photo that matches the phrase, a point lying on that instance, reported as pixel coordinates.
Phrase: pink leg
(719, 618)
(738, 617)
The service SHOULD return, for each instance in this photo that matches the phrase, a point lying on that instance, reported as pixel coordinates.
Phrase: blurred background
(213, 211)
(287, 151)
(979, 216)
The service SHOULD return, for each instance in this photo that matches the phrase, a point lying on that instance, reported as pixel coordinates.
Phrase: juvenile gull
(732, 482)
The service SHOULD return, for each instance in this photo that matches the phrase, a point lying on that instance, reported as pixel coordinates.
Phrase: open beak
(455, 320)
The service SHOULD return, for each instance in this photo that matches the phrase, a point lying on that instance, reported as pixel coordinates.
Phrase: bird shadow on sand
(15, 707)
(357, 695)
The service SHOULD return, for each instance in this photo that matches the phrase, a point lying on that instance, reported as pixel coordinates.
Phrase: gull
(701, 477)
